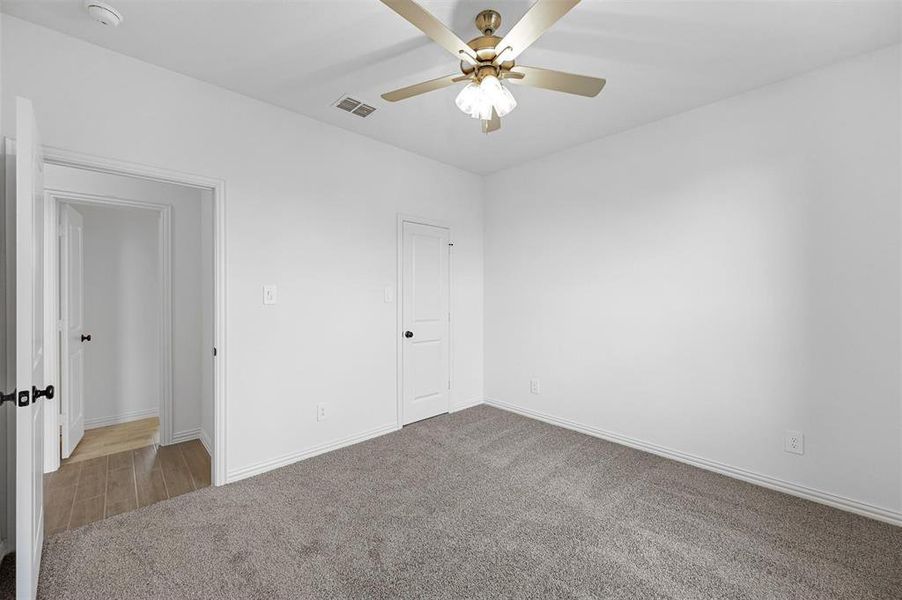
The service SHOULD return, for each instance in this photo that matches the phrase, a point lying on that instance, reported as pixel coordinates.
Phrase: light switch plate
(534, 386)
(270, 294)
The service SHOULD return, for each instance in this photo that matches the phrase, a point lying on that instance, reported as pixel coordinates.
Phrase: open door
(29, 352)
(73, 339)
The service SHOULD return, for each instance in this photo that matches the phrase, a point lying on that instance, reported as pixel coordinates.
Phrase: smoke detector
(103, 13)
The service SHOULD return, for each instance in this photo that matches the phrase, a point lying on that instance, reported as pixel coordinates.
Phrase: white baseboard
(126, 417)
(287, 459)
(793, 489)
(466, 405)
(206, 441)
(187, 435)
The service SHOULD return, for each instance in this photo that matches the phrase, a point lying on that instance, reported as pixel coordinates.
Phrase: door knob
(86, 338)
(45, 393)
(408, 334)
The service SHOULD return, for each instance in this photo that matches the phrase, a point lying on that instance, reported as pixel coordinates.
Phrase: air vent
(364, 110)
(355, 107)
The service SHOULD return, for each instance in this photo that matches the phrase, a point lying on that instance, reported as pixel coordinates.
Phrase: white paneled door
(29, 351)
(425, 310)
(73, 338)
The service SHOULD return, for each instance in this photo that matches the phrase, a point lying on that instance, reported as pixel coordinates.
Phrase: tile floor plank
(146, 459)
(121, 495)
(151, 487)
(198, 462)
(120, 460)
(58, 508)
(90, 485)
(86, 511)
(175, 471)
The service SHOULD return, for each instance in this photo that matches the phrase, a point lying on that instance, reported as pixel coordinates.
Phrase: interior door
(72, 340)
(29, 351)
(426, 316)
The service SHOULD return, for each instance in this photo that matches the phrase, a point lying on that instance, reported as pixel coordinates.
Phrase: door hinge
(449, 384)
(59, 325)
(10, 397)
(214, 350)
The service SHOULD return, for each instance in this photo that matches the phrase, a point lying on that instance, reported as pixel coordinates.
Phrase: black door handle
(36, 394)
(86, 338)
(408, 334)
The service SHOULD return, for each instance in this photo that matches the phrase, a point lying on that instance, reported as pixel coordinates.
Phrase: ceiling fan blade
(558, 81)
(494, 124)
(423, 20)
(421, 88)
(540, 16)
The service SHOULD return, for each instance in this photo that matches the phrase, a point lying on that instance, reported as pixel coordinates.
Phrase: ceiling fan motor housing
(486, 47)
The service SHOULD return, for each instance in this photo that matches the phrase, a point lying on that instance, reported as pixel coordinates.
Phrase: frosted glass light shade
(498, 95)
(473, 101)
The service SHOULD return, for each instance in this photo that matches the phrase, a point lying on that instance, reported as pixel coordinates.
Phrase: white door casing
(425, 321)
(72, 313)
(29, 350)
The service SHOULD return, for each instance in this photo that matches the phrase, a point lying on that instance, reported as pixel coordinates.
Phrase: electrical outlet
(794, 442)
(534, 387)
(321, 414)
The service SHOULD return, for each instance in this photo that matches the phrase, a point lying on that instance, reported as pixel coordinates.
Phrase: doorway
(131, 344)
(425, 347)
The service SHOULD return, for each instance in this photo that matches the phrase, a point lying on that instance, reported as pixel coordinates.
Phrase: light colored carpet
(480, 504)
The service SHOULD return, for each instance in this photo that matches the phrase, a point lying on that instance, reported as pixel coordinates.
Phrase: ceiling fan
(488, 60)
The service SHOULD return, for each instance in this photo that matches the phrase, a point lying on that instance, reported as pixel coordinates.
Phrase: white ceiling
(659, 57)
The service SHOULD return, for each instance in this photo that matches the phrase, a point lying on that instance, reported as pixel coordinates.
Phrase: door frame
(399, 295)
(53, 199)
(217, 187)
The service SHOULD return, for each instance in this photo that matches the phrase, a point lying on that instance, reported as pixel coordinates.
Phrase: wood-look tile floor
(86, 491)
(102, 441)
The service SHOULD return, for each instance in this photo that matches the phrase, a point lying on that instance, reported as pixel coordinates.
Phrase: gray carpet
(8, 577)
(480, 504)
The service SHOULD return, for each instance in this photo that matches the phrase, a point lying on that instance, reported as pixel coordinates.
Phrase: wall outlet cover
(321, 413)
(534, 386)
(794, 442)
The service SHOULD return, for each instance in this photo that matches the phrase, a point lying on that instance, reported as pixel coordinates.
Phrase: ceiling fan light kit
(487, 60)
(478, 99)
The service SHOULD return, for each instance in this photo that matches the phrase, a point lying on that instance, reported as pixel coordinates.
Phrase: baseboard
(466, 405)
(135, 415)
(793, 489)
(287, 459)
(185, 436)
(206, 441)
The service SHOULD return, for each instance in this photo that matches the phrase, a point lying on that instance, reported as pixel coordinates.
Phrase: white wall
(191, 311)
(122, 314)
(6, 483)
(311, 208)
(708, 281)
(207, 326)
